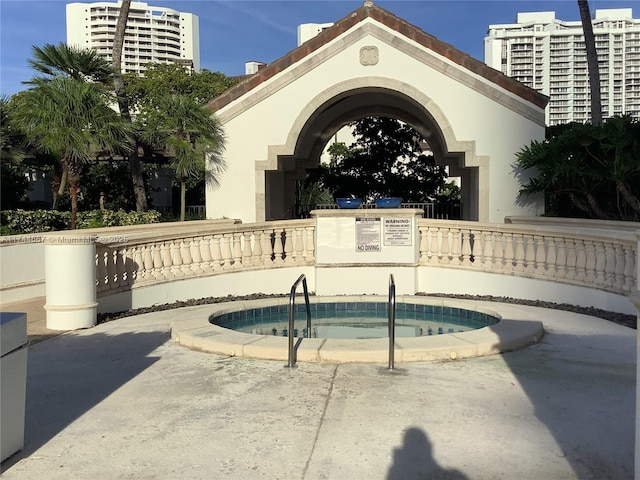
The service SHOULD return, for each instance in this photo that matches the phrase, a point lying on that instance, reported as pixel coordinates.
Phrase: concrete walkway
(122, 400)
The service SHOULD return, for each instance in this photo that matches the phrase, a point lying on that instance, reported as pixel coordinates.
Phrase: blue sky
(235, 31)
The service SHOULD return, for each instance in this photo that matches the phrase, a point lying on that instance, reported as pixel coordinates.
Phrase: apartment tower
(153, 34)
(549, 55)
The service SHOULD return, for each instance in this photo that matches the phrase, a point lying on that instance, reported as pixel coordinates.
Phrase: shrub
(34, 221)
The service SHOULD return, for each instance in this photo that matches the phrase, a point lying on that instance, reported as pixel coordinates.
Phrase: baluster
(267, 247)
(530, 254)
(216, 255)
(257, 248)
(572, 258)
(101, 270)
(619, 280)
(455, 247)
(609, 264)
(434, 248)
(237, 249)
(167, 263)
(600, 263)
(196, 259)
(121, 267)
(590, 262)
(540, 259)
(157, 265)
(247, 254)
(519, 254)
(298, 245)
(561, 258)
(629, 269)
(552, 258)
(509, 255)
(205, 253)
(225, 247)
(147, 263)
(278, 249)
(310, 245)
(138, 265)
(112, 274)
(466, 248)
(487, 250)
(424, 245)
(288, 245)
(498, 252)
(476, 249)
(185, 256)
(581, 260)
(445, 249)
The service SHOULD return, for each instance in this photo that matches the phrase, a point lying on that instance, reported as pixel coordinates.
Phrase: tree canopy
(386, 160)
(587, 170)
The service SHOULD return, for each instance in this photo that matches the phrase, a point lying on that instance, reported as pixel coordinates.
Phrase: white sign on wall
(397, 231)
(368, 234)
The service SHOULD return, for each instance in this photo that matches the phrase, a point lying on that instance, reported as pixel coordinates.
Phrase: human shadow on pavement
(70, 374)
(582, 388)
(414, 460)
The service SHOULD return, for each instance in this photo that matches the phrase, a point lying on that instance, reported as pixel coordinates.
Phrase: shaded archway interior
(338, 112)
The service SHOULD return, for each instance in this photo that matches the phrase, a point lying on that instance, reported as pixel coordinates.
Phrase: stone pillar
(635, 298)
(70, 278)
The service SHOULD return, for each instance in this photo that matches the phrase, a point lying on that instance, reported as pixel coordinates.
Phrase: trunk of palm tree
(592, 62)
(74, 188)
(183, 198)
(60, 183)
(135, 166)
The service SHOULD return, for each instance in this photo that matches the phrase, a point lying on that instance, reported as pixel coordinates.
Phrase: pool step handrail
(291, 360)
(392, 320)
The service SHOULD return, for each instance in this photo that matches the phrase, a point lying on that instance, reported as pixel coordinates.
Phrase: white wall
(271, 113)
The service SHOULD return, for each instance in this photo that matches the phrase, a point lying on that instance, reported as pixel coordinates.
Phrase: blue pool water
(357, 320)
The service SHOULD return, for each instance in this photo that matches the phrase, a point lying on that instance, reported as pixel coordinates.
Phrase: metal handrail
(392, 320)
(291, 360)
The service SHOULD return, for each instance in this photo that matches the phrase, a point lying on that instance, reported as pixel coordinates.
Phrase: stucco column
(70, 282)
(635, 298)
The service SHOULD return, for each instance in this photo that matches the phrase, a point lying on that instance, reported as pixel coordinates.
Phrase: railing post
(392, 320)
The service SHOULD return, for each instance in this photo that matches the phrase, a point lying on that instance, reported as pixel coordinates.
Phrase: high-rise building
(153, 34)
(549, 55)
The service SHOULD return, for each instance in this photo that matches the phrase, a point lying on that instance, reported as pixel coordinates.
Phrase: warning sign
(397, 231)
(368, 234)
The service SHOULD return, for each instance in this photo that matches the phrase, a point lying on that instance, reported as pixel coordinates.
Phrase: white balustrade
(147, 259)
(591, 260)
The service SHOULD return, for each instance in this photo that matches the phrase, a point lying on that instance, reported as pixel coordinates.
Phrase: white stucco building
(278, 120)
(153, 35)
(549, 55)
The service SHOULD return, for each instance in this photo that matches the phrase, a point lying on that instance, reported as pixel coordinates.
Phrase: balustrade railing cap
(78, 239)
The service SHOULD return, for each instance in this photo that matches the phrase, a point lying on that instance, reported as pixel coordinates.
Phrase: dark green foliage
(590, 171)
(111, 181)
(385, 161)
(34, 221)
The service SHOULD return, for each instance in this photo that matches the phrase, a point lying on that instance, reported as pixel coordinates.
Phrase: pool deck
(124, 400)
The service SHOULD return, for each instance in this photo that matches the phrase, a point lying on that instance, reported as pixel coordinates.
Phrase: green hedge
(14, 222)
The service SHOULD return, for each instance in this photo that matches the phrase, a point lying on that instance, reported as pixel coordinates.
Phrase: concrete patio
(122, 400)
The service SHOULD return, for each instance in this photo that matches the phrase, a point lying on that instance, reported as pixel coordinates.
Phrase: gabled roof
(369, 10)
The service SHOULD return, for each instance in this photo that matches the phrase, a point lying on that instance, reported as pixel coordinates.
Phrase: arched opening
(350, 105)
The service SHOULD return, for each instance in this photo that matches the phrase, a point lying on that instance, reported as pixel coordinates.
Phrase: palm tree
(592, 62)
(189, 135)
(77, 63)
(135, 166)
(52, 61)
(70, 118)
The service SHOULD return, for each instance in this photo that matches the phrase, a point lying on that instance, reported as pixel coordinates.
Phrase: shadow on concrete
(582, 387)
(70, 374)
(414, 460)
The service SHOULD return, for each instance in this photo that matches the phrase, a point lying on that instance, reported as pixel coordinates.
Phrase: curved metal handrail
(291, 360)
